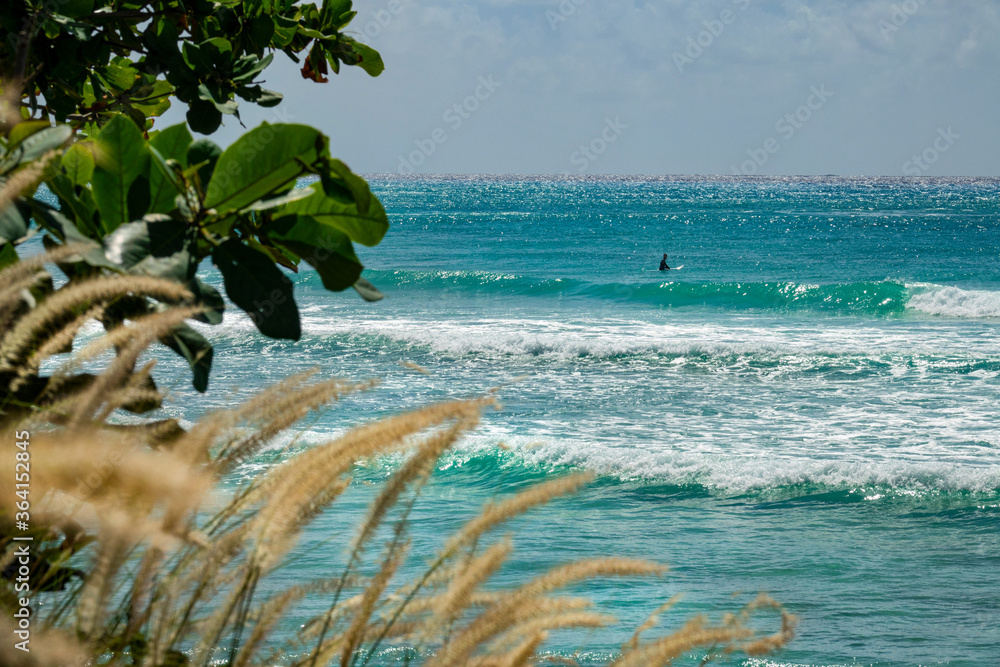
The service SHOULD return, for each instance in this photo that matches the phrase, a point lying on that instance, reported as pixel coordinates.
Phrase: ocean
(808, 408)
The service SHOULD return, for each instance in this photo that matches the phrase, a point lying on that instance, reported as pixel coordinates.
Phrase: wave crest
(873, 298)
(955, 302)
(763, 473)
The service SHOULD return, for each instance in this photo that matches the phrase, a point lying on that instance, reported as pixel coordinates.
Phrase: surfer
(663, 263)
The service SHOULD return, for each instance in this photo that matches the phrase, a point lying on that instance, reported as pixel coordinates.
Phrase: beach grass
(142, 552)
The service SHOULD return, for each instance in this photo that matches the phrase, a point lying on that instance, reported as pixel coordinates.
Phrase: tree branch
(24, 40)
(132, 14)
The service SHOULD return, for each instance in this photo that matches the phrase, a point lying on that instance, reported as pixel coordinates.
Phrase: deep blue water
(809, 407)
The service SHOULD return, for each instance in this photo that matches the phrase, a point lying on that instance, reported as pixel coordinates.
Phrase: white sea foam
(750, 403)
(746, 470)
(795, 343)
(752, 470)
(955, 302)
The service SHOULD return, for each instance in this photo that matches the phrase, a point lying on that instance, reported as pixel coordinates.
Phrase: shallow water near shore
(808, 408)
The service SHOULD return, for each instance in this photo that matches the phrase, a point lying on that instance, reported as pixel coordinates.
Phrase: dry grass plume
(148, 555)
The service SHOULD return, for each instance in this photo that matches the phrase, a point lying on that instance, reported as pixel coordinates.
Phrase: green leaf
(8, 255)
(152, 108)
(260, 96)
(163, 38)
(269, 98)
(123, 158)
(78, 202)
(12, 224)
(344, 19)
(156, 237)
(22, 131)
(364, 228)
(118, 76)
(371, 61)
(154, 100)
(285, 29)
(196, 58)
(206, 153)
(76, 8)
(294, 194)
(34, 146)
(208, 296)
(64, 229)
(191, 345)
(54, 221)
(139, 193)
(89, 98)
(333, 9)
(260, 162)
(257, 286)
(250, 66)
(326, 249)
(318, 35)
(173, 142)
(39, 143)
(80, 31)
(153, 95)
(260, 30)
(219, 51)
(214, 94)
(281, 256)
(367, 291)
(203, 116)
(356, 185)
(78, 163)
(211, 92)
(164, 184)
(172, 267)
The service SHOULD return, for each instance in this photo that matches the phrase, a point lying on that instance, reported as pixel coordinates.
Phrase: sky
(772, 87)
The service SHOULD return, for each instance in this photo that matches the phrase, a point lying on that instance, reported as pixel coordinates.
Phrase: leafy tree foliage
(83, 60)
(158, 203)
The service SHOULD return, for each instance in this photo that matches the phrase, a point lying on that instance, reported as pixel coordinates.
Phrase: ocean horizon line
(763, 178)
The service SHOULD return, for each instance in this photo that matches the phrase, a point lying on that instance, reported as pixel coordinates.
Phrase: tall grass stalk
(145, 555)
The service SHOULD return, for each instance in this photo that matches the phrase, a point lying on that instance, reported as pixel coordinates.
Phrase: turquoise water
(807, 408)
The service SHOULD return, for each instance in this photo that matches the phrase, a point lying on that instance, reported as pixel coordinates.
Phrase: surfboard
(677, 268)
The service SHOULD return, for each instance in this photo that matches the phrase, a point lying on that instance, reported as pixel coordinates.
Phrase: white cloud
(894, 85)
